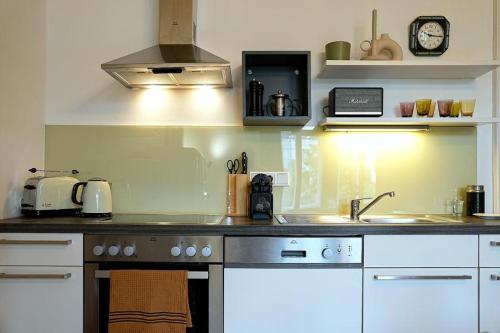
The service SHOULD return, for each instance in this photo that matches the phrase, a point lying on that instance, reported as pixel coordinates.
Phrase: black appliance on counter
(261, 197)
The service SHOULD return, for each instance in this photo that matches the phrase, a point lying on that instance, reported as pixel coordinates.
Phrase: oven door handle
(192, 275)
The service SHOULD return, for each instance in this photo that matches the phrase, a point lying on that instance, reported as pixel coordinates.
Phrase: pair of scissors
(233, 166)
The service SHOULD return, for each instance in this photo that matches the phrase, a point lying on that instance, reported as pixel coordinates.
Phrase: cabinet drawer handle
(5, 276)
(422, 277)
(495, 277)
(35, 242)
(494, 244)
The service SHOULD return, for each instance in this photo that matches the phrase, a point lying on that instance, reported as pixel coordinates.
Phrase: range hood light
(377, 128)
(201, 69)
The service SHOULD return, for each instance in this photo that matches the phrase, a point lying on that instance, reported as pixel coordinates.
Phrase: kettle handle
(75, 191)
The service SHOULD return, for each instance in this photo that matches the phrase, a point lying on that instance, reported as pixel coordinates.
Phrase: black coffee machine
(261, 197)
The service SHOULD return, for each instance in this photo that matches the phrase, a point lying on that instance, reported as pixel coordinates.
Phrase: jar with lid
(475, 199)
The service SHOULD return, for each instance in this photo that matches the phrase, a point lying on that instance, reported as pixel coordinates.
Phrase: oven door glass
(198, 294)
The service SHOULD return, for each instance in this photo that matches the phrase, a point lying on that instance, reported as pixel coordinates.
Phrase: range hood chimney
(176, 62)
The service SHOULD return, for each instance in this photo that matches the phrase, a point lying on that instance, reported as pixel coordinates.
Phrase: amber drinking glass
(468, 106)
(423, 107)
(456, 108)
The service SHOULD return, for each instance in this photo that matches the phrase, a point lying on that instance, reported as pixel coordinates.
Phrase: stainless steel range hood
(176, 62)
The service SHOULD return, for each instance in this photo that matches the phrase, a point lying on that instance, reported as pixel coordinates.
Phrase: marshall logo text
(358, 100)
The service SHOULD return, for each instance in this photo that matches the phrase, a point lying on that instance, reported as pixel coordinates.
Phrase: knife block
(237, 195)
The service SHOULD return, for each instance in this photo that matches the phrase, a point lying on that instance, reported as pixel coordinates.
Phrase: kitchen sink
(398, 220)
(368, 219)
(408, 220)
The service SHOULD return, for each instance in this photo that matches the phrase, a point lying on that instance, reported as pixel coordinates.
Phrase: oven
(201, 256)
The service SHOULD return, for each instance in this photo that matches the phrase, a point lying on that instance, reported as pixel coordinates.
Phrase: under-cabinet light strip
(377, 128)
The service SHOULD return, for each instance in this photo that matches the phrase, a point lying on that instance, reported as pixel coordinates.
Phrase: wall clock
(429, 35)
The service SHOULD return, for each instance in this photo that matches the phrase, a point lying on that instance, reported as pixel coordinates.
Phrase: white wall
(22, 97)
(84, 34)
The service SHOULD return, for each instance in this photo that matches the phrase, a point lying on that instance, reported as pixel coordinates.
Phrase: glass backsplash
(183, 170)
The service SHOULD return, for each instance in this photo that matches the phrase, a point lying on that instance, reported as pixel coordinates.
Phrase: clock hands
(431, 35)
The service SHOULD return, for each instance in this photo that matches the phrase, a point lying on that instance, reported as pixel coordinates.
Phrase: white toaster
(49, 196)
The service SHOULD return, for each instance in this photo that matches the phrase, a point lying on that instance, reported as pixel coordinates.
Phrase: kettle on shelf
(95, 197)
(280, 102)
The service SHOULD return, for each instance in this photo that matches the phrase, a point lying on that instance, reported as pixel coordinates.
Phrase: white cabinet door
(420, 300)
(41, 305)
(292, 300)
(489, 300)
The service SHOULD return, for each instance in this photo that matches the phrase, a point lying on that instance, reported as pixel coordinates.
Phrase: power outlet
(280, 178)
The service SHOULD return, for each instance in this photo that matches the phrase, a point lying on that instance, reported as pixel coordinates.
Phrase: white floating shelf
(405, 69)
(401, 122)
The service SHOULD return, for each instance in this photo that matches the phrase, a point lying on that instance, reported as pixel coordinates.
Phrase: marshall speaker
(356, 102)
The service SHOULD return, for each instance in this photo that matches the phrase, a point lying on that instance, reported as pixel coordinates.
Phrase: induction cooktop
(186, 219)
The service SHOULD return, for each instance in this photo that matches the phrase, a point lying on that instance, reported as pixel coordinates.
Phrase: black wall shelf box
(288, 71)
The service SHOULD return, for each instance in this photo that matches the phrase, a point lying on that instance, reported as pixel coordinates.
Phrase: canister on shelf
(475, 199)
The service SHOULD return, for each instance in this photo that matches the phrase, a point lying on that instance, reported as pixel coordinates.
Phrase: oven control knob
(327, 253)
(175, 251)
(206, 251)
(129, 250)
(114, 250)
(191, 251)
(99, 250)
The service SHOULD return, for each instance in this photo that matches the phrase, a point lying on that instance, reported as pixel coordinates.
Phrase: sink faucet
(355, 212)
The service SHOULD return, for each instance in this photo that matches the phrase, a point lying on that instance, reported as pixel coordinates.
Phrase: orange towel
(144, 301)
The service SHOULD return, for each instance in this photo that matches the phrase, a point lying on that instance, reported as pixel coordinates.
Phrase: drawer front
(41, 299)
(489, 250)
(421, 251)
(41, 249)
(420, 300)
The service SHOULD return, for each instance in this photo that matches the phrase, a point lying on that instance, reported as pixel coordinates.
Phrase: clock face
(431, 35)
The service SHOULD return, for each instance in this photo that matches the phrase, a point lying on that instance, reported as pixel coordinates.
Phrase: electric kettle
(95, 197)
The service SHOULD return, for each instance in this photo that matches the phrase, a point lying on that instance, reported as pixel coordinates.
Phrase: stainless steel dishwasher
(292, 285)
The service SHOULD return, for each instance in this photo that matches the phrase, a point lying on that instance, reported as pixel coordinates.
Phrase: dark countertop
(245, 226)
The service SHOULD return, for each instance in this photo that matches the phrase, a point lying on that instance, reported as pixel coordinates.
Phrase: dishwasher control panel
(293, 250)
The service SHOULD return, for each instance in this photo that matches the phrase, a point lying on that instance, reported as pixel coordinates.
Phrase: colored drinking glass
(468, 106)
(444, 107)
(423, 106)
(406, 108)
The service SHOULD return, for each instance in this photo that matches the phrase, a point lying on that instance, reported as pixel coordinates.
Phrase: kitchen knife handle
(244, 163)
